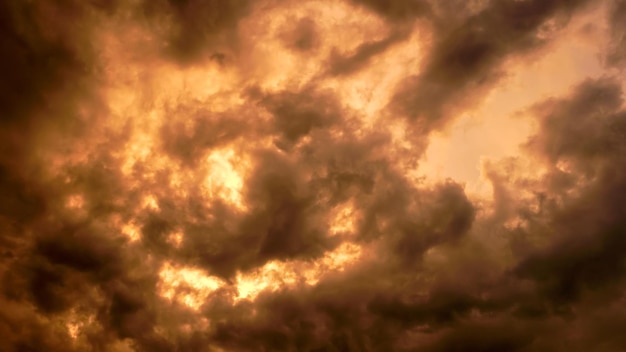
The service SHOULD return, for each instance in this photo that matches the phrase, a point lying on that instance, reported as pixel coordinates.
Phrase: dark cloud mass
(189, 175)
(466, 58)
(397, 10)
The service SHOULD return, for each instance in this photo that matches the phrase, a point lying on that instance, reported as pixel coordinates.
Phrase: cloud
(585, 133)
(618, 36)
(193, 29)
(301, 35)
(397, 10)
(467, 59)
(164, 187)
(343, 65)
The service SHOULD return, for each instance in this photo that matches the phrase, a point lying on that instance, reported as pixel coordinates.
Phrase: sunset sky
(312, 175)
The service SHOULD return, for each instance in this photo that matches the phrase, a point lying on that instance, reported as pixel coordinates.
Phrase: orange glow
(191, 287)
(175, 239)
(76, 323)
(73, 330)
(225, 178)
(132, 232)
(277, 275)
(271, 276)
(150, 202)
(75, 201)
(186, 285)
(344, 220)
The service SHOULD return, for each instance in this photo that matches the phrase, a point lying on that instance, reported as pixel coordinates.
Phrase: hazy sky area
(312, 175)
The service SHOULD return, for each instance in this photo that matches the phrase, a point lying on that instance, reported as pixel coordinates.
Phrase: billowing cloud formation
(244, 176)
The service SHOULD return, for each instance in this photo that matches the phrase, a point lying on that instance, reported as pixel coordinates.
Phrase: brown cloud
(301, 35)
(153, 199)
(467, 59)
(618, 33)
(343, 65)
(192, 29)
(586, 135)
(397, 10)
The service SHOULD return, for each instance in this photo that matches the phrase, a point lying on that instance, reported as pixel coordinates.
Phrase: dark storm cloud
(551, 290)
(434, 276)
(46, 68)
(296, 114)
(187, 140)
(300, 35)
(466, 59)
(71, 263)
(397, 10)
(344, 65)
(346, 312)
(54, 261)
(285, 219)
(571, 243)
(39, 53)
(281, 223)
(195, 28)
(484, 337)
(22, 330)
(587, 132)
(416, 220)
(289, 195)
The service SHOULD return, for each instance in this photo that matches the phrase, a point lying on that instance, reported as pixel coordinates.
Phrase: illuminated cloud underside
(355, 175)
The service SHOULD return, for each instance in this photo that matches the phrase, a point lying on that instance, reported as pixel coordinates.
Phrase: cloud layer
(188, 175)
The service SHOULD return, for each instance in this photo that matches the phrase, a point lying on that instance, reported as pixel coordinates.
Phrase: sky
(312, 175)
